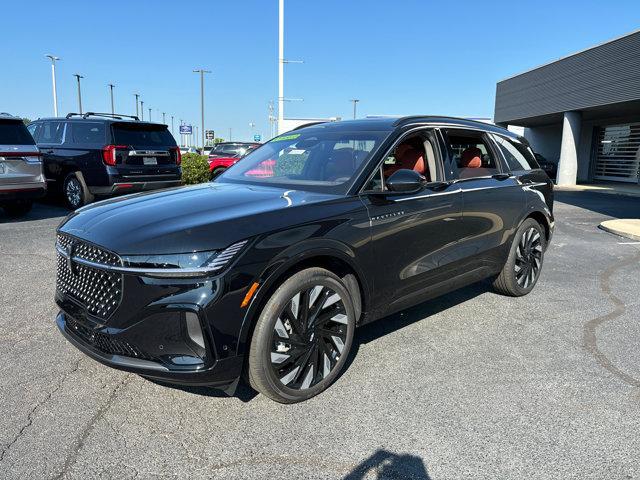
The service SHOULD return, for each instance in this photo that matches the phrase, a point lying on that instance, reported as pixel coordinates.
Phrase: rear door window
(88, 132)
(470, 153)
(14, 132)
(51, 132)
(518, 156)
(132, 134)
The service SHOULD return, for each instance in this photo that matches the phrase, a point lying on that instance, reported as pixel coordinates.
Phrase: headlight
(193, 264)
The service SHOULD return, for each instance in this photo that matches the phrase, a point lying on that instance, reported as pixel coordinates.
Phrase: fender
(287, 259)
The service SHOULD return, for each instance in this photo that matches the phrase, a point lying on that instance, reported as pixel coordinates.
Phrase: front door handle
(501, 176)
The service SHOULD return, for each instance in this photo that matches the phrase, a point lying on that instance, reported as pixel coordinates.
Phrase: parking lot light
(202, 72)
(111, 85)
(78, 77)
(137, 95)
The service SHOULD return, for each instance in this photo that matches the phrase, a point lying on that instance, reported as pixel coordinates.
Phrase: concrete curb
(627, 192)
(628, 228)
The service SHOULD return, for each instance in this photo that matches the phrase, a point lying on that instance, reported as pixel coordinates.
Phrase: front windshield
(311, 159)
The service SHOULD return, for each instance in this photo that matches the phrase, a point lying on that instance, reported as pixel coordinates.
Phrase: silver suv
(21, 176)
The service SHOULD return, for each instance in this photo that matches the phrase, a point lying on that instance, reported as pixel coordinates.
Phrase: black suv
(97, 154)
(271, 267)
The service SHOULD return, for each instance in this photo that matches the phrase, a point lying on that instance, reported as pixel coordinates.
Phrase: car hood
(203, 217)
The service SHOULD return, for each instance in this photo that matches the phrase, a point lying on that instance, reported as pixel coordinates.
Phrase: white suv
(21, 175)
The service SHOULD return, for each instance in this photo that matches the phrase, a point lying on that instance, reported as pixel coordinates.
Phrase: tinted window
(33, 130)
(470, 154)
(518, 156)
(14, 132)
(142, 135)
(88, 132)
(315, 159)
(51, 132)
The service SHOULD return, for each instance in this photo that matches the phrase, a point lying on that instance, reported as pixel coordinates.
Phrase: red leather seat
(471, 158)
(407, 157)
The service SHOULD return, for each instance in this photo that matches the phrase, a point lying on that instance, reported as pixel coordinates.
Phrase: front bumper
(222, 373)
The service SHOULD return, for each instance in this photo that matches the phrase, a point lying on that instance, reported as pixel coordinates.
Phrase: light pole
(142, 109)
(355, 102)
(137, 95)
(202, 72)
(172, 131)
(281, 62)
(111, 85)
(163, 118)
(196, 138)
(53, 59)
(78, 77)
(149, 113)
(229, 133)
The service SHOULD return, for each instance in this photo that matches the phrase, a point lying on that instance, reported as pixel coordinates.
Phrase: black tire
(289, 362)
(75, 192)
(18, 208)
(216, 172)
(524, 263)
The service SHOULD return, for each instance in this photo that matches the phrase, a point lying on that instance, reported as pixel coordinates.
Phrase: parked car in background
(207, 150)
(21, 176)
(223, 155)
(269, 269)
(550, 168)
(98, 155)
(185, 150)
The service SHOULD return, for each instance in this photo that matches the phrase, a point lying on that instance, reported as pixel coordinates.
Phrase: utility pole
(355, 102)
(202, 72)
(53, 59)
(137, 95)
(142, 109)
(111, 85)
(78, 77)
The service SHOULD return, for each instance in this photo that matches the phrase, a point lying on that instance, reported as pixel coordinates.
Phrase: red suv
(225, 154)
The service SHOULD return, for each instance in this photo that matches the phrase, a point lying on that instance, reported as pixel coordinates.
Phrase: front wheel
(302, 337)
(524, 263)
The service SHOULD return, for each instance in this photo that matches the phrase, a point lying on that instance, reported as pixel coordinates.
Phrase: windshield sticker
(297, 151)
(286, 137)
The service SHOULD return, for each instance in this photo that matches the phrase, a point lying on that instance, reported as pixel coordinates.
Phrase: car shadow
(243, 392)
(616, 206)
(379, 328)
(47, 207)
(386, 464)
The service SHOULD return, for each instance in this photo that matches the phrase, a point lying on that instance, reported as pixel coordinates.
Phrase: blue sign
(257, 138)
(186, 129)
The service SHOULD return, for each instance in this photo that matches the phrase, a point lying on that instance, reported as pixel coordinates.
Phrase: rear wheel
(18, 208)
(75, 192)
(524, 264)
(302, 337)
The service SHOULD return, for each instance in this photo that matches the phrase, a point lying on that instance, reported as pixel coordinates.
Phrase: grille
(104, 342)
(99, 291)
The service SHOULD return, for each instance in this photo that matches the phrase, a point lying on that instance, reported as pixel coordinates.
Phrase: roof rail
(118, 116)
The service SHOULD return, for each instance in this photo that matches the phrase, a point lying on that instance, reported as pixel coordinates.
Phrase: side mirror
(405, 181)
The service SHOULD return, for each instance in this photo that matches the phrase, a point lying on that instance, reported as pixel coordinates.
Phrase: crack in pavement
(36, 407)
(590, 339)
(86, 431)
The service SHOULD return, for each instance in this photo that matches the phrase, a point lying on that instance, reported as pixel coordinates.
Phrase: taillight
(109, 154)
(178, 155)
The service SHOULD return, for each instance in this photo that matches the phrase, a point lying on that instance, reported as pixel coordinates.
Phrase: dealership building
(582, 111)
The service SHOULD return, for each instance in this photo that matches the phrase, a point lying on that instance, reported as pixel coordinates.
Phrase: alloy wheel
(73, 190)
(528, 257)
(309, 337)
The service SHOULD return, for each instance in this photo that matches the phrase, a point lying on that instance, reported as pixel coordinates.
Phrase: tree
(26, 120)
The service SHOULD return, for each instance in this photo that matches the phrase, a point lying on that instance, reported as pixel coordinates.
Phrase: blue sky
(398, 57)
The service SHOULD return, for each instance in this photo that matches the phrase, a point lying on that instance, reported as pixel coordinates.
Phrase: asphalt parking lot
(471, 385)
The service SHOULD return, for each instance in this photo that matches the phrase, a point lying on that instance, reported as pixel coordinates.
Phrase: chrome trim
(155, 153)
(216, 265)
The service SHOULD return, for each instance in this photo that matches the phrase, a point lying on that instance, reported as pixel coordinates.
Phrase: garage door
(617, 154)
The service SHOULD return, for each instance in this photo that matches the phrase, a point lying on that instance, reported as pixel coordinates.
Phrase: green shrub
(195, 169)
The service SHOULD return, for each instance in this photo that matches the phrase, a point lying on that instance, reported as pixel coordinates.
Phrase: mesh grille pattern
(98, 290)
(103, 342)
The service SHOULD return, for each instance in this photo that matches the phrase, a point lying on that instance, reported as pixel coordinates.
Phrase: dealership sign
(210, 134)
(186, 129)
